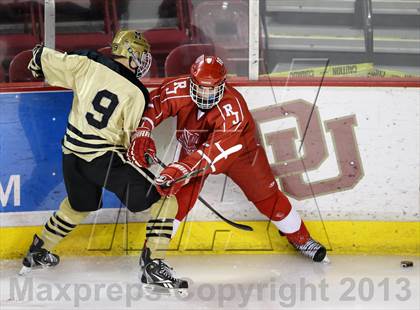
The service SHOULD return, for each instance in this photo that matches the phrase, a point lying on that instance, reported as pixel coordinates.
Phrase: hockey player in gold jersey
(108, 104)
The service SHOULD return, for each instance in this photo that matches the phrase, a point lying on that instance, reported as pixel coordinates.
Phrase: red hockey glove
(141, 143)
(165, 184)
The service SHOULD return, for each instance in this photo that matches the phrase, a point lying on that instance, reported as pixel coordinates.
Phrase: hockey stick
(155, 159)
(194, 173)
(185, 176)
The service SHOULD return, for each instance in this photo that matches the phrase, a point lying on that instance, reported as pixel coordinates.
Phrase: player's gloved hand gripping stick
(155, 159)
(184, 177)
(151, 158)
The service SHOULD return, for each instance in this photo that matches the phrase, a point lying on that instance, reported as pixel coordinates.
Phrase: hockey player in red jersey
(217, 133)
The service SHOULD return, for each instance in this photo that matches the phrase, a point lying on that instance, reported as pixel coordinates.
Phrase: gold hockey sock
(160, 226)
(60, 224)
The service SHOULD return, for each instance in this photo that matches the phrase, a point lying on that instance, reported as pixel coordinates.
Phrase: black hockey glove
(35, 64)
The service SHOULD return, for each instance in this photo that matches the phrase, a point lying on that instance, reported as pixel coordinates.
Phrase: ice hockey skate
(158, 278)
(38, 257)
(312, 249)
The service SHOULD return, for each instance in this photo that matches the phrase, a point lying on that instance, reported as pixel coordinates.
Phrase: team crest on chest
(189, 141)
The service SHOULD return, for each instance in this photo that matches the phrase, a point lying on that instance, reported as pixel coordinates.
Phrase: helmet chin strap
(139, 74)
(134, 58)
(132, 63)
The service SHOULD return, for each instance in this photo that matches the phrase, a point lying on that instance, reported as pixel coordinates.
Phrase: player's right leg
(138, 194)
(156, 273)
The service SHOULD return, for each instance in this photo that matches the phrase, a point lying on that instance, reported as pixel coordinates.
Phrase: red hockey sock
(298, 237)
(288, 221)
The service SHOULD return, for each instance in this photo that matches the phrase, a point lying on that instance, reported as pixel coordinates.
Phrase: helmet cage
(206, 97)
(143, 64)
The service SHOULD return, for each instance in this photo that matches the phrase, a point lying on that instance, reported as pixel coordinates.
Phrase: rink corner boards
(340, 237)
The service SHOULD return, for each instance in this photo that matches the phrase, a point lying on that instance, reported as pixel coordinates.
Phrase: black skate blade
(151, 289)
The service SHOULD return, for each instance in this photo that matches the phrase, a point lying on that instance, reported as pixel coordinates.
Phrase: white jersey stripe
(203, 155)
(183, 78)
(149, 120)
(174, 97)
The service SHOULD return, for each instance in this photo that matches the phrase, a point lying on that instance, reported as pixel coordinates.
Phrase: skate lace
(49, 257)
(166, 271)
(308, 249)
(45, 257)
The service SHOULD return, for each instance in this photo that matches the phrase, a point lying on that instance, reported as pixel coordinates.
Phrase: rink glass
(256, 39)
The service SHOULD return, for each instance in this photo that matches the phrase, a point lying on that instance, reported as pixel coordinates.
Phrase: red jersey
(212, 137)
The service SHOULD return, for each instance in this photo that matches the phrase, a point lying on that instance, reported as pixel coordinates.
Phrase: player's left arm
(35, 65)
(59, 69)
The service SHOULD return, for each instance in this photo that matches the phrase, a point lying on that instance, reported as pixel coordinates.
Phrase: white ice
(219, 282)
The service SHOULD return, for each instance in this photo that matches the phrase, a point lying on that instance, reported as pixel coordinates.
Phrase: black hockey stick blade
(234, 224)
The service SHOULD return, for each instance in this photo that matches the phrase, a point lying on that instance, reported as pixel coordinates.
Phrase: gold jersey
(107, 105)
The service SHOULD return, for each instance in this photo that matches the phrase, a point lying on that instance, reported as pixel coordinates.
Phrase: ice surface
(219, 282)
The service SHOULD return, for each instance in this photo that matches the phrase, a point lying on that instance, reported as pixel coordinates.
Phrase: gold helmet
(133, 45)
